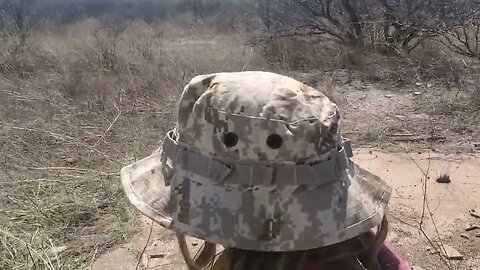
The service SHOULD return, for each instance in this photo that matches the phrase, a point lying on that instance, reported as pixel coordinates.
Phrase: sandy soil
(447, 205)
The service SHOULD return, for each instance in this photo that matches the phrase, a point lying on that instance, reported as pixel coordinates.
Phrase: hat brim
(145, 188)
(366, 198)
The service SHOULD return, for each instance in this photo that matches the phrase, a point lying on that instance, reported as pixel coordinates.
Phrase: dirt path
(449, 204)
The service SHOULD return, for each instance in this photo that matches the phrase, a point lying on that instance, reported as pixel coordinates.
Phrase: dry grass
(78, 103)
(431, 61)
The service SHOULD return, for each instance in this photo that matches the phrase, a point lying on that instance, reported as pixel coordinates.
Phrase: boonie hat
(256, 161)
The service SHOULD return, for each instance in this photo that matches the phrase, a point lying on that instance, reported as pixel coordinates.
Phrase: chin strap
(206, 254)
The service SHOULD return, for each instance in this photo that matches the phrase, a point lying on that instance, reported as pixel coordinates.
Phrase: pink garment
(388, 258)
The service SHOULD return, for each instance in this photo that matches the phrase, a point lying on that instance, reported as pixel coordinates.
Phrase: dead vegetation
(78, 103)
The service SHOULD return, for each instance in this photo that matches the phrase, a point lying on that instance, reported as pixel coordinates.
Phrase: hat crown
(257, 117)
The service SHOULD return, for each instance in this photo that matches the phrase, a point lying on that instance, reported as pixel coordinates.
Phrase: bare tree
(407, 23)
(264, 11)
(404, 24)
(198, 10)
(461, 31)
(340, 20)
(464, 40)
(16, 12)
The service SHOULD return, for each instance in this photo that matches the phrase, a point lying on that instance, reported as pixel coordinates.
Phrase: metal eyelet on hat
(230, 139)
(274, 141)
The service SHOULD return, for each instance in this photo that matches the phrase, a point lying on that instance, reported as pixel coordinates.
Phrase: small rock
(417, 268)
(472, 228)
(428, 248)
(464, 236)
(429, 85)
(419, 84)
(451, 253)
(417, 93)
(389, 96)
(444, 179)
(194, 244)
(71, 160)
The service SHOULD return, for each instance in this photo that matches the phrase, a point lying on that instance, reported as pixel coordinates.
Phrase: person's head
(357, 253)
(257, 164)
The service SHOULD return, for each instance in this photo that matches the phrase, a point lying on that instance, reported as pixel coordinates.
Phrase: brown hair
(357, 253)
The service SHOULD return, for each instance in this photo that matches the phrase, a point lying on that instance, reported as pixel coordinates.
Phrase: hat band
(179, 155)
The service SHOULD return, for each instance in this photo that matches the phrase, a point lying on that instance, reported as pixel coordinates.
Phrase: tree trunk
(356, 35)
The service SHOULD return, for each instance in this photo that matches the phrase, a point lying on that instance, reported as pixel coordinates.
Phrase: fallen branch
(419, 138)
(66, 169)
(402, 135)
(108, 129)
(145, 248)
(475, 215)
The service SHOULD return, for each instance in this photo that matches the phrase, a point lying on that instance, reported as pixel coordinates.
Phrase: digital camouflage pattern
(257, 162)
(246, 103)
